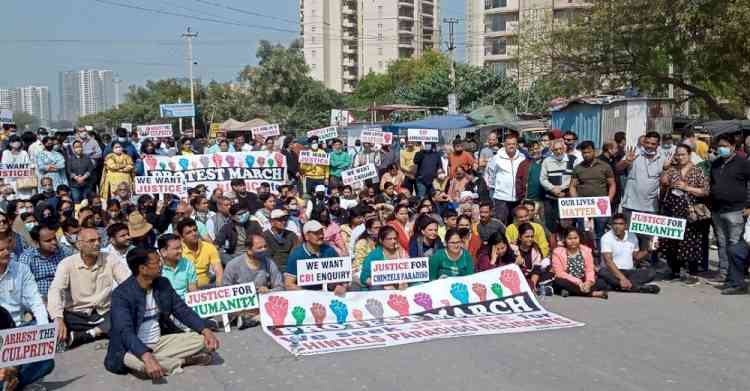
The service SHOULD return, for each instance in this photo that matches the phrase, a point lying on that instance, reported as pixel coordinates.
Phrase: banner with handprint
(218, 170)
(584, 207)
(496, 301)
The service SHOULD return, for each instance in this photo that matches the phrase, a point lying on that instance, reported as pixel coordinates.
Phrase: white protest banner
(218, 170)
(316, 271)
(319, 158)
(224, 300)
(177, 110)
(265, 131)
(25, 345)
(423, 135)
(497, 301)
(6, 116)
(359, 174)
(155, 131)
(394, 271)
(656, 225)
(15, 171)
(127, 126)
(584, 207)
(161, 185)
(372, 136)
(324, 134)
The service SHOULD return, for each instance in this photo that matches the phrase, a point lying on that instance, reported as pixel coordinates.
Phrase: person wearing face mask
(313, 175)
(80, 169)
(291, 204)
(127, 146)
(24, 187)
(51, 163)
(233, 235)
(118, 169)
(428, 162)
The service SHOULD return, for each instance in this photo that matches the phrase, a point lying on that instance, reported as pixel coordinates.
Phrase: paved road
(686, 338)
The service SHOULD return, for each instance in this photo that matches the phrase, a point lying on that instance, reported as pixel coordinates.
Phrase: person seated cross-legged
(620, 253)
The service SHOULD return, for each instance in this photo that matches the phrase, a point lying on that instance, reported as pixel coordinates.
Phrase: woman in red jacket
(398, 221)
(573, 266)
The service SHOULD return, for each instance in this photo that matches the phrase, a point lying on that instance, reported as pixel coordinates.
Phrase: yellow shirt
(701, 149)
(406, 159)
(511, 232)
(202, 259)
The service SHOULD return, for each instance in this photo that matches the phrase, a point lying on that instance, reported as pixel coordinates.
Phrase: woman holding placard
(573, 266)
(682, 184)
(388, 248)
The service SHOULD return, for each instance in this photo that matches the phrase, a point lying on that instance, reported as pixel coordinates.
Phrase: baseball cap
(320, 189)
(312, 226)
(278, 213)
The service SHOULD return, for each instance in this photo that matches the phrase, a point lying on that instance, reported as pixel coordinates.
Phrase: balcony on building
(498, 7)
(349, 76)
(347, 36)
(405, 27)
(348, 62)
(500, 26)
(348, 49)
(499, 49)
(405, 42)
(405, 13)
(347, 88)
(406, 3)
(348, 10)
(348, 24)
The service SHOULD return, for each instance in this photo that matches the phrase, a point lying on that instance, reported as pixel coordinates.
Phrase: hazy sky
(43, 37)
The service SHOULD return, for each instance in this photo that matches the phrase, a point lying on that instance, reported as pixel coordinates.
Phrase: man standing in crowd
(427, 161)
(571, 139)
(501, 175)
(339, 161)
(555, 176)
(620, 256)
(593, 178)
(489, 151)
(528, 185)
(459, 158)
(43, 259)
(408, 168)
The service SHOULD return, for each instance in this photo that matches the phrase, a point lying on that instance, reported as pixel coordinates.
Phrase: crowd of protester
(79, 248)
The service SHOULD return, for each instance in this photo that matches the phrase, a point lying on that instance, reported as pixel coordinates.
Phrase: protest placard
(127, 126)
(656, 225)
(309, 157)
(177, 110)
(155, 131)
(214, 130)
(25, 345)
(359, 174)
(423, 135)
(394, 271)
(224, 300)
(6, 116)
(16, 171)
(161, 185)
(324, 134)
(265, 131)
(316, 271)
(372, 136)
(497, 301)
(584, 207)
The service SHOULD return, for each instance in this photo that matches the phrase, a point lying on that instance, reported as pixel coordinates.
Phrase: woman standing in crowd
(453, 260)
(364, 245)
(682, 184)
(388, 248)
(50, 163)
(118, 168)
(425, 241)
(573, 267)
(23, 187)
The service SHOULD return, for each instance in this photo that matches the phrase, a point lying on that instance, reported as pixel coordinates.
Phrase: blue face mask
(260, 254)
(244, 218)
(725, 152)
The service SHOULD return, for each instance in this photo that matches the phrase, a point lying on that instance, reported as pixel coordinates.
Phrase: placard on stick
(656, 225)
(317, 271)
(359, 174)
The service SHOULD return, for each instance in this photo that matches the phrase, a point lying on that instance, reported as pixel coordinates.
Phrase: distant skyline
(142, 41)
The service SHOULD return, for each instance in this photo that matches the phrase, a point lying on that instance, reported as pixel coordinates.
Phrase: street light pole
(189, 37)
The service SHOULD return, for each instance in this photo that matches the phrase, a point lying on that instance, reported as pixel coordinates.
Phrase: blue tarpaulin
(434, 122)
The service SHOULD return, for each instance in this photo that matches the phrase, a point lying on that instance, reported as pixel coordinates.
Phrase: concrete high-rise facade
(344, 40)
(8, 99)
(86, 92)
(33, 100)
(497, 30)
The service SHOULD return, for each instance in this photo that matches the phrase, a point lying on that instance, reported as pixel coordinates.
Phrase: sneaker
(650, 288)
(202, 358)
(734, 291)
(691, 280)
(78, 338)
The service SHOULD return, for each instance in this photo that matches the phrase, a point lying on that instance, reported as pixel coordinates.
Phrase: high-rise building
(344, 40)
(8, 99)
(85, 92)
(34, 100)
(497, 32)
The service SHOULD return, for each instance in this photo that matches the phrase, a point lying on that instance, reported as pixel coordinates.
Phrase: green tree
(25, 121)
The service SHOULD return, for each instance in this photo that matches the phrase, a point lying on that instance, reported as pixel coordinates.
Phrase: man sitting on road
(522, 216)
(18, 289)
(43, 260)
(201, 253)
(620, 253)
(179, 271)
(119, 241)
(144, 338)
(21, 376)
(313, 247)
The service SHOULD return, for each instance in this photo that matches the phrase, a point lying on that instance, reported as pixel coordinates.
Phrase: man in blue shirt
(18, 289)
(179, 271)
(313, 247)
(42, 261)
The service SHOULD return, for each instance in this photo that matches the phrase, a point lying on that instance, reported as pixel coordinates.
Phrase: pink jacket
(560, 264)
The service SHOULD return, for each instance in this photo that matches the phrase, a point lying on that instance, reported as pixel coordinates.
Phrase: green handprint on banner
(299, 315)
(497, 289)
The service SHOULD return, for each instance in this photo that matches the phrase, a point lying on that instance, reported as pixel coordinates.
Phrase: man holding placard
(593, 178)
(314, 248)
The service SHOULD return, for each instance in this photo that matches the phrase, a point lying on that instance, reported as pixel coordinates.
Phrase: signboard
(497, 301)
(25, 345)
(656, 225)
(6, 117)
(177, 110)
(265, 131)
(341, 117)
(319, 158)
(318, 271)
(423, 135)
(214, 130)
(394, 271)
(584, 207)
(359, 174)
(372, 136)
(127, 126)
(15, 171)
(160, 185)
(218, 170)
(225, 300)
(324, 134)
(155, 131)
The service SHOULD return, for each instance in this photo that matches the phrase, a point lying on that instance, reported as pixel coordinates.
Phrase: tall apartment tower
(8, 99)
(495, 30)
(35, 101)
(85, 92)
(344, 40)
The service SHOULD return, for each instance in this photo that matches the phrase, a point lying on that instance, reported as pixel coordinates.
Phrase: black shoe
(564, 293)
(691, 280)
(78, 338)
(650, 288)
(248, 322)
(734, 291)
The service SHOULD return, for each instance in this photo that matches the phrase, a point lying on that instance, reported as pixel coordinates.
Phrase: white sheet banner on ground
(155, 131)
(266, 131)
(161, 185)
(218, 170)
(177, 110)
(16, 171)
(359, 174)
(225, 300)
(324, 134)
(497, 301)
(656, 225)
(319, 158)
(25, 345)
(584, 207)
(423, 135)
(318, 271)
(394, 271)
(372, 136)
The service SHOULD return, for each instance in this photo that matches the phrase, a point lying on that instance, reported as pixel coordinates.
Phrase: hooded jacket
(501, 175)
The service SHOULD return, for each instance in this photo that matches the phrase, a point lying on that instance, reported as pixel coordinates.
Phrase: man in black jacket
(144, 339)
(428, 161)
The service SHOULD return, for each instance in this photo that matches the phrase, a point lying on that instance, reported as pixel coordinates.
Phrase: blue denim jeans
(728, 228)
(739, 258)
(78, 194)
(32, 373)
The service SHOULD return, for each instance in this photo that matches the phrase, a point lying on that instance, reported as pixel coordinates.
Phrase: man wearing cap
(203, 255)
(280, 241)
(313, 247)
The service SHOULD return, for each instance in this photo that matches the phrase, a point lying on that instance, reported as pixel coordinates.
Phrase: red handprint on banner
(319, 313)
(399, 304)
(480, 291)
(510, 279)
(276, 306)
(357, 314)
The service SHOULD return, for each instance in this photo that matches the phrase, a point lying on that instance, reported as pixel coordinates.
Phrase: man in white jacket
(500, 176)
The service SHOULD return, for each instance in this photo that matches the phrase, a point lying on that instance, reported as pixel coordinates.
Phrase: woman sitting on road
(573, 267)
(453, 260)
(364, 246)
(388, 248)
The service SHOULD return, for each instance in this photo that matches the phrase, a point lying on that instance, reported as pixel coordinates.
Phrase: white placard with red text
(359, 174)
(372, 136)
(324, 134)
(161, 185)
(423, 135)
(316, 271)
(394, 271)
(584, 207)
(266, 131)
(23, 345)
(155, 131)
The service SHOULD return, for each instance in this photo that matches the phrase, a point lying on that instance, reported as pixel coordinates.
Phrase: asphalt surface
(685, 338)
